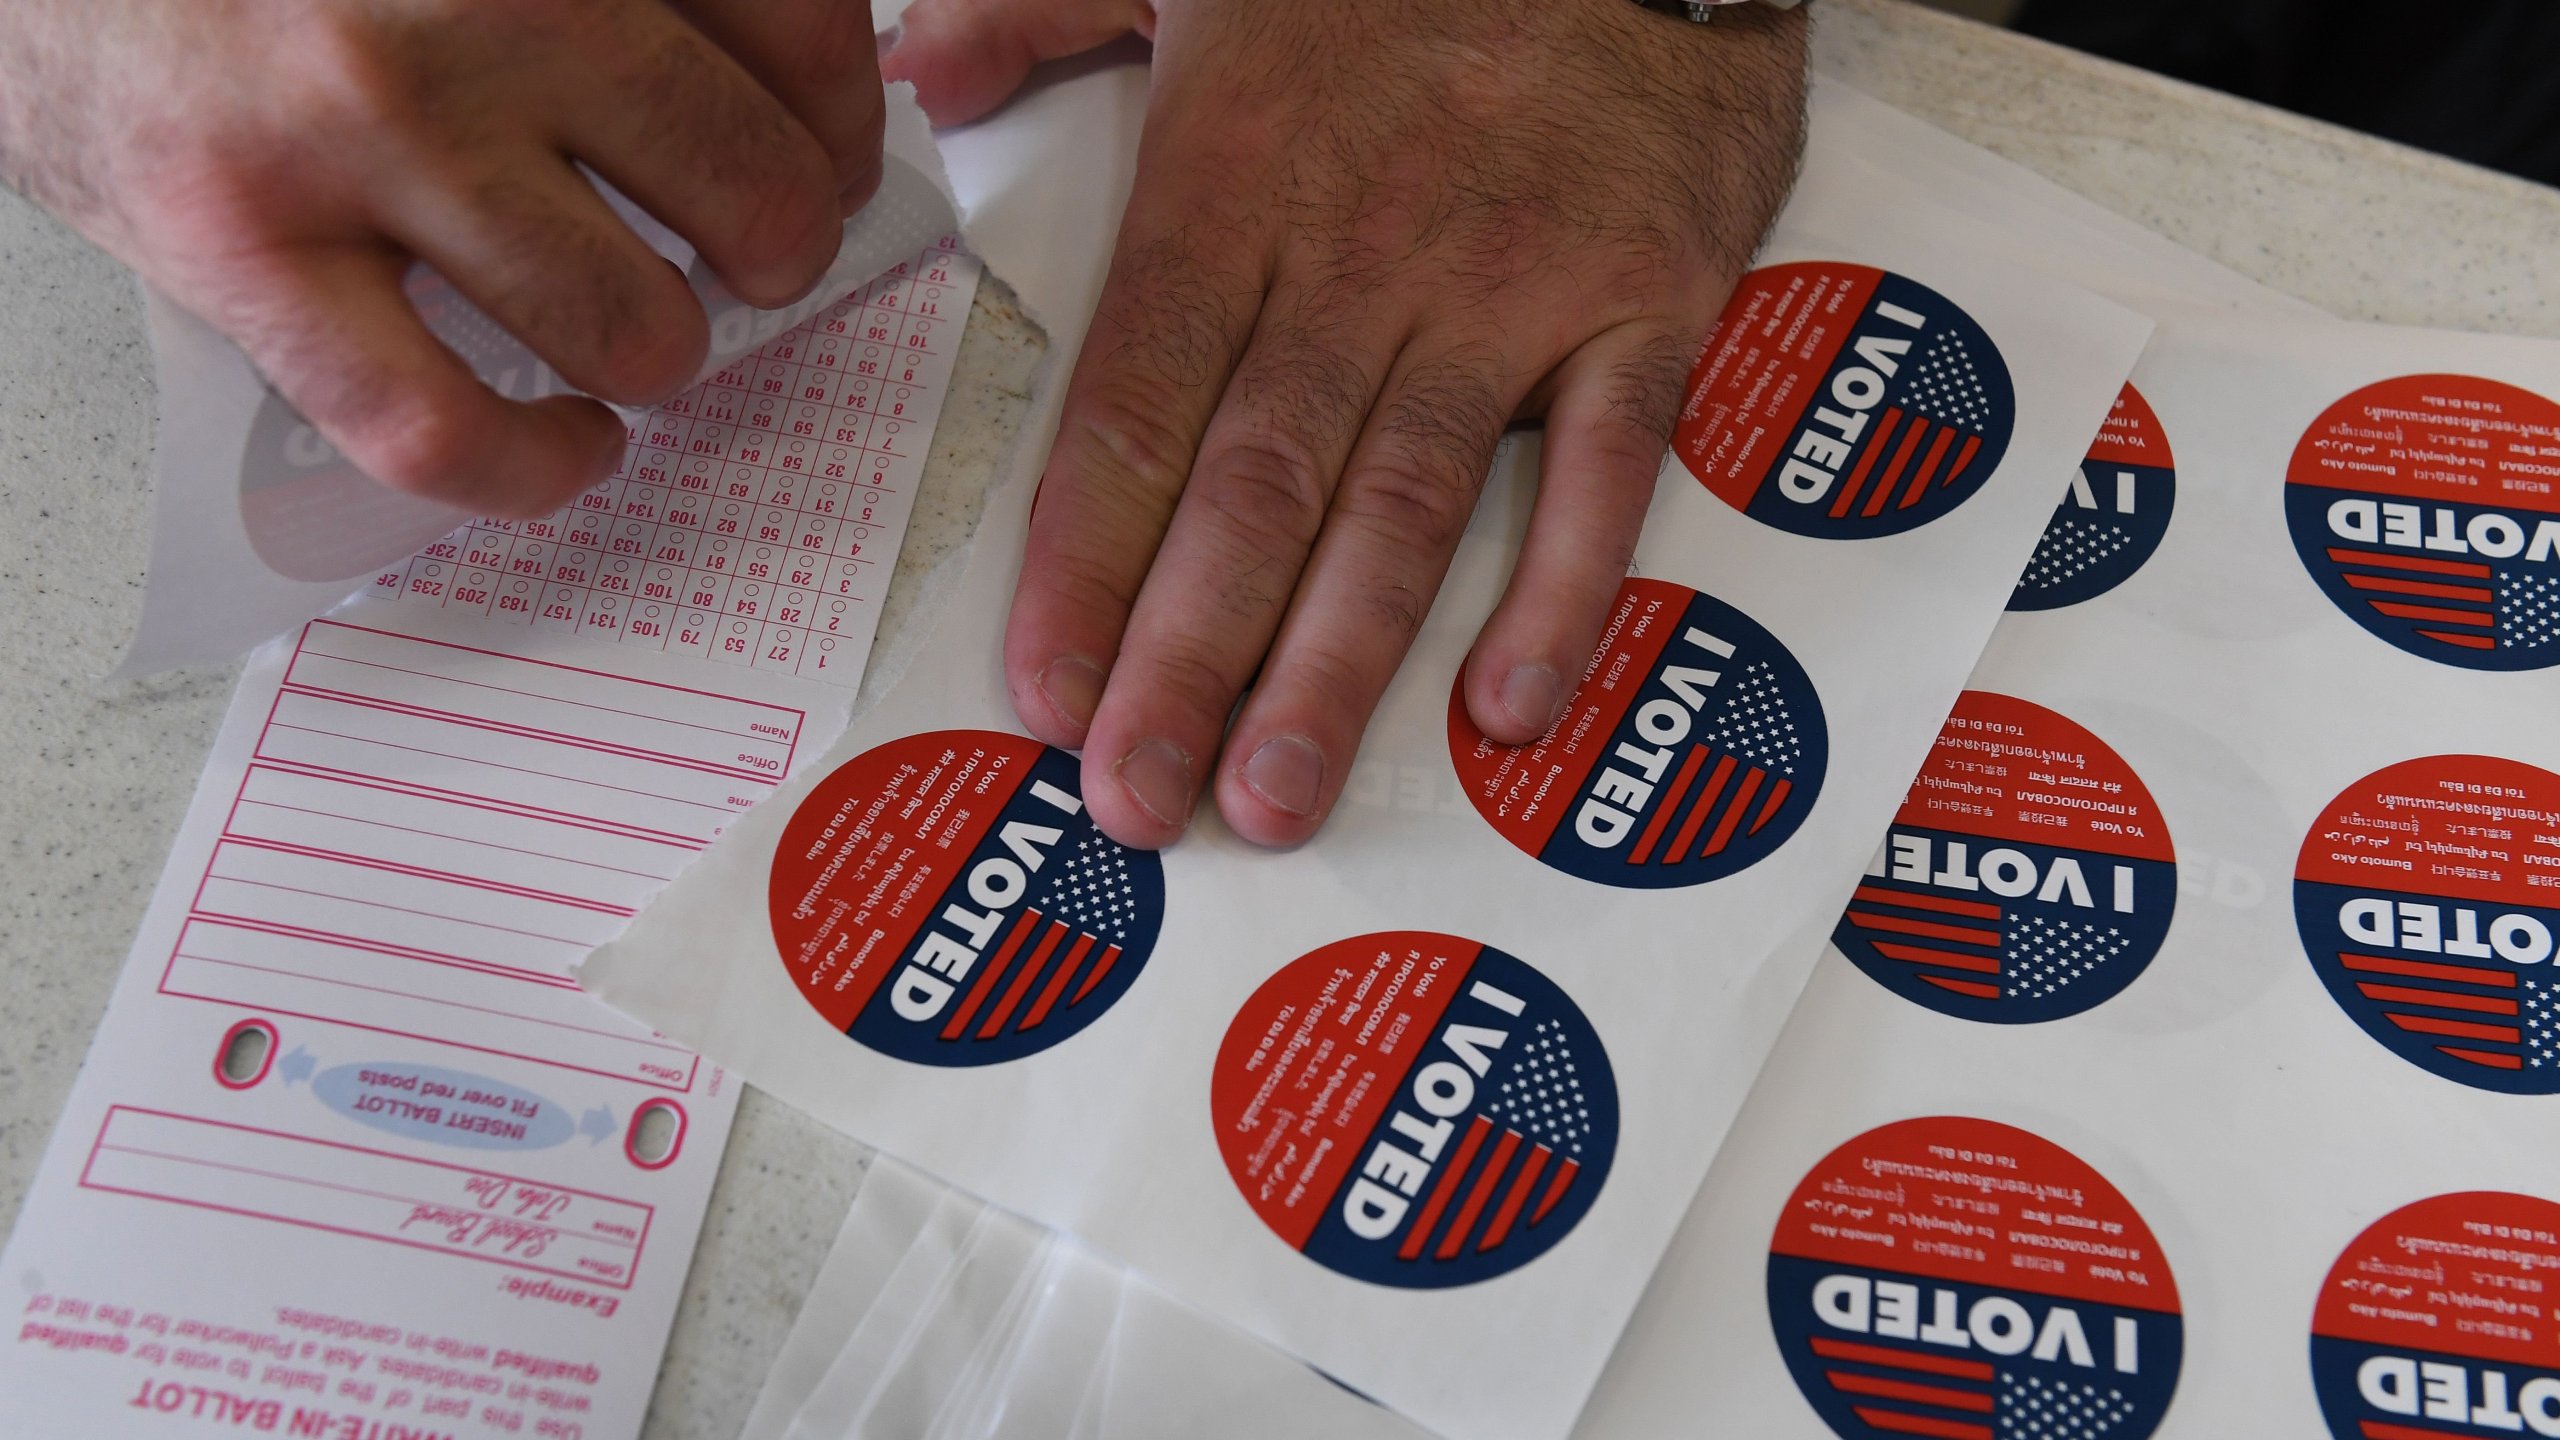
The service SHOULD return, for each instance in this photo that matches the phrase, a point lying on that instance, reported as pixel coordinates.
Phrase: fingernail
(1073, 687)
(1158, 776)
(1532, 694)
(1287, 771)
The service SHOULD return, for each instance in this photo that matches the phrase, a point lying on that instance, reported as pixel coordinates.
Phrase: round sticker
(944, 899)
(2113, 516)
(2437, 1322)
(1692, 749)
(2027, 877)
(1965, 1279)
(1845, 402)
(2428, 508)
(2427, 896)
(1413, 1109)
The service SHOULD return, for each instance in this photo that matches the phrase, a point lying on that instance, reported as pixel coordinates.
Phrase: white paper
(420, 813)
(1111, 1137)
(259, 523)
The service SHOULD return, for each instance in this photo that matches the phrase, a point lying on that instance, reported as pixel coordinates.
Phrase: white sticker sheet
(352, 1153)
(2233, 1132)
(2212, 1127)
(1422, 1101)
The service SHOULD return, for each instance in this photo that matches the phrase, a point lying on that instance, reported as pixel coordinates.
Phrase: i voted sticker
(2437, 1322)
(1693, 748)
(1414, 1109)
(1845, 402)
(2428, 509)
(1967, 1280)
(2427, 896)
(2113, 516)
(944, 899)
(2028, 876)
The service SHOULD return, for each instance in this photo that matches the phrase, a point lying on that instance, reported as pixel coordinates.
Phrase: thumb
(966, 57)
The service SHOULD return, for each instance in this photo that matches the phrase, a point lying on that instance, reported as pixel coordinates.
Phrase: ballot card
(352, 1153)
(259, 522)
(1421, 1102)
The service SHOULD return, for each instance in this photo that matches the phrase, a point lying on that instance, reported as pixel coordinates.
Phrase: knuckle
(1268, 492)
(426, 451)
(1412, 500)
(1190, 678)
(783, 210)
(1143, 449)
(1080, 590)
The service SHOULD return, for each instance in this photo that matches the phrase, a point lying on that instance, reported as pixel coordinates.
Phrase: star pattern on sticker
(2071, 546)
(1541, 1094)
(2528, 609)
(1091, 889)
(2034, 1408)
(2047, 955)
(2541, 1023)
(1756, 724)
(1945, 385)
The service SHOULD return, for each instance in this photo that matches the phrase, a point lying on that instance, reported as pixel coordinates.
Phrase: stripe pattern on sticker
(945, 899)
(1692, 749)
(1414, 1109)
(2427, 508)
(2428, 898)
(2028, 877)
(1845, 402)
(1967, 1280)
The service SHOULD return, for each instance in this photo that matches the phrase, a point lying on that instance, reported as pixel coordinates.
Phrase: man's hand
(276, 167)
(1366, 234)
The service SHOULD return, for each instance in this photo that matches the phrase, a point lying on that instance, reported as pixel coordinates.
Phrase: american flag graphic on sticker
(2434, 1323)
(1692, 749)
(2111, 519)
(2428, 896)
(944, 899)
(2029, 875)
(1414, 1109)
(1845, 402)
(2427, 508)
(1962, 1279)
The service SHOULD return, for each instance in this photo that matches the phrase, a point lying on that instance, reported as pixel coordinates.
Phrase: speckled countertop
(92, 788)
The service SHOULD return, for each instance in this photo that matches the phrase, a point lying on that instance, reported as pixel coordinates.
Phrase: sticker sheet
(2174, 1069)
(1422, 1101)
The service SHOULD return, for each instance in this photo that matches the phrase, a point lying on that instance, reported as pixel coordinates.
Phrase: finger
(1608, 426)
(966, 57)
(537, 250)
(1395, 521)
(1224, 575)
(332, 330)
(685, 131)
(819, 58)
(1174, 316)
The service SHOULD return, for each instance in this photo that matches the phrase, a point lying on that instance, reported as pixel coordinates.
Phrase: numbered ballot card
(2184, 1059)
(1422, 1101)
(352, 1154)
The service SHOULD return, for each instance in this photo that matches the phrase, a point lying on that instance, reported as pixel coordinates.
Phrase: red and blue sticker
(2428, 509)
(2028, 876)
(1414, 1109)
(2428, 896)
(2437, 1323)
(1693, 748)
(2113, 516)
(944, 899)
(1845, 402)
(1967, 1280)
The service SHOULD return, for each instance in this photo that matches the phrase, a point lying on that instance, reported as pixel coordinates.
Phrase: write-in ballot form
(352, 1154)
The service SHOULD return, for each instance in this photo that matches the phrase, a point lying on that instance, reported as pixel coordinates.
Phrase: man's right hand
(276, 167)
